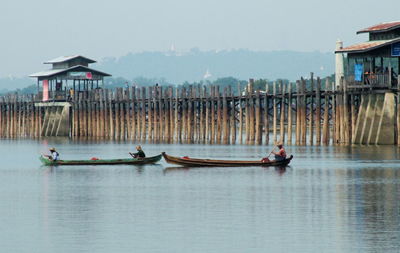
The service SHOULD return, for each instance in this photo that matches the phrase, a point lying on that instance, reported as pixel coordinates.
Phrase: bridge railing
(373, 81)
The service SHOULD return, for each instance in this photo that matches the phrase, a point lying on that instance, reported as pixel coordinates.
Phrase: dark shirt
(140, 154)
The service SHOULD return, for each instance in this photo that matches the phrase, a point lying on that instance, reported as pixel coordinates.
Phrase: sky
(32, 32)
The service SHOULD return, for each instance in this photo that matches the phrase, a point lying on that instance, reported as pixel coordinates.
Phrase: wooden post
(346, 118)
(106, 122)
(353, 116)
(325, 129)
(335, 121)
(150, 119)
(282, 113)
(212, 138)
(207, 105)
(258, 126)
(132, 114)
(318, 112)
(128, 119)
(303, 112)
(143, 116)
(156, 113)
(240, 106)
(189, 125)
(166, 136)
(200, 116)
(311, 114)
(184, 116)
(339, 111)
(266, 114)
(156, 100)
(275, 114)
(159, 115)
(232, 117)
(298, 113)
(122, 114)
(219, 115)
(251, 112)
(117, 114)
(225, 125)
(171, 115)
(138, 132)
(247, 115)
(289, 115)
(178, 121)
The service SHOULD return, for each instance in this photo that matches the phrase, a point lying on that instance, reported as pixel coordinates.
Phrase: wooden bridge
(307, 112)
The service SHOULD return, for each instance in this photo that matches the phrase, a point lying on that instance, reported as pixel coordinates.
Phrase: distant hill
(195, 65)
(8, 84)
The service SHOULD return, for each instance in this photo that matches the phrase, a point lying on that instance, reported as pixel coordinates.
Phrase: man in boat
(139, 153)
(54, 155)
(281, 154)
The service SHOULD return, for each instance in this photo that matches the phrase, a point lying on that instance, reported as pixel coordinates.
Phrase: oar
(132, 155)
(271, 152)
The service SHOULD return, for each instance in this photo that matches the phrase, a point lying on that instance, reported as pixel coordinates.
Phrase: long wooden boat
(196, 162)
(134, 161)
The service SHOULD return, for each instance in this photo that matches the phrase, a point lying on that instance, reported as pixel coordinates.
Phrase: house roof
(382, 27)
(52, 72)
(367, 46)
(68, 58)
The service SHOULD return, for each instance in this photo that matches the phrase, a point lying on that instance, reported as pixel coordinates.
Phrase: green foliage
(120, 82)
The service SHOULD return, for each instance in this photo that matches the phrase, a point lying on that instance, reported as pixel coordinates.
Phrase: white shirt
(54, 155)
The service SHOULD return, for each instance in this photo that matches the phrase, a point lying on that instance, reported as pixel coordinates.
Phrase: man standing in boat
(281, 154)
(139, 153)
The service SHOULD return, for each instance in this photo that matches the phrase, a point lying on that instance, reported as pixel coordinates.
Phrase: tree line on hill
(120, 82)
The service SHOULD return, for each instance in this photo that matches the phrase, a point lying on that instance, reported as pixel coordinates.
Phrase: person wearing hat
(139, 153)
(54, 155)
(281, 154)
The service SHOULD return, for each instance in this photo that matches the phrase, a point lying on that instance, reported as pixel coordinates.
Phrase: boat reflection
(279, 169)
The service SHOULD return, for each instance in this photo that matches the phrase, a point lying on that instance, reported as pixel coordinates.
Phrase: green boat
(133, 161)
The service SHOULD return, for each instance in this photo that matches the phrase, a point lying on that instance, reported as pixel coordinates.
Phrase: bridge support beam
(56, 120)
(376, 120)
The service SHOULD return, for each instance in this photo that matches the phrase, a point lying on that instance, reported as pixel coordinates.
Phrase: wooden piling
(289, 115)
(240, 106)
(266, 114)
(318, 111)
(232, 118)
(298, 113)
(282, 114)
(325, 127)
(258, 119)
(275, 114)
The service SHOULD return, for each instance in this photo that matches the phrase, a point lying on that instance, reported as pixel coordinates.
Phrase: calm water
(331, 199)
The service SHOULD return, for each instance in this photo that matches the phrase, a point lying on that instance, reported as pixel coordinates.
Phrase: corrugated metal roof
(51, 72)
(366, 46)
(381, 27)
(68, 58)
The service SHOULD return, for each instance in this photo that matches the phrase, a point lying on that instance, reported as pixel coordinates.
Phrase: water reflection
(330, 199)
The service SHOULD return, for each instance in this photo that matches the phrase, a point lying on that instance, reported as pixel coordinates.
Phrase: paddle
(133, 155)
(271, 152)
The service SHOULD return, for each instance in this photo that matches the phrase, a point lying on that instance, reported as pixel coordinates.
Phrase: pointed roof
(51, 72)
(382, 27)
(367, 46)
(68, 58)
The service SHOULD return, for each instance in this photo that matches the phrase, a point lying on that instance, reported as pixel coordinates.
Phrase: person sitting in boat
(54, 155)
(139, 153)
(281, 154)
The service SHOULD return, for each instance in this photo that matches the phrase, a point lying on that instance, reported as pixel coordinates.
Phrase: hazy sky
(38, 30)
